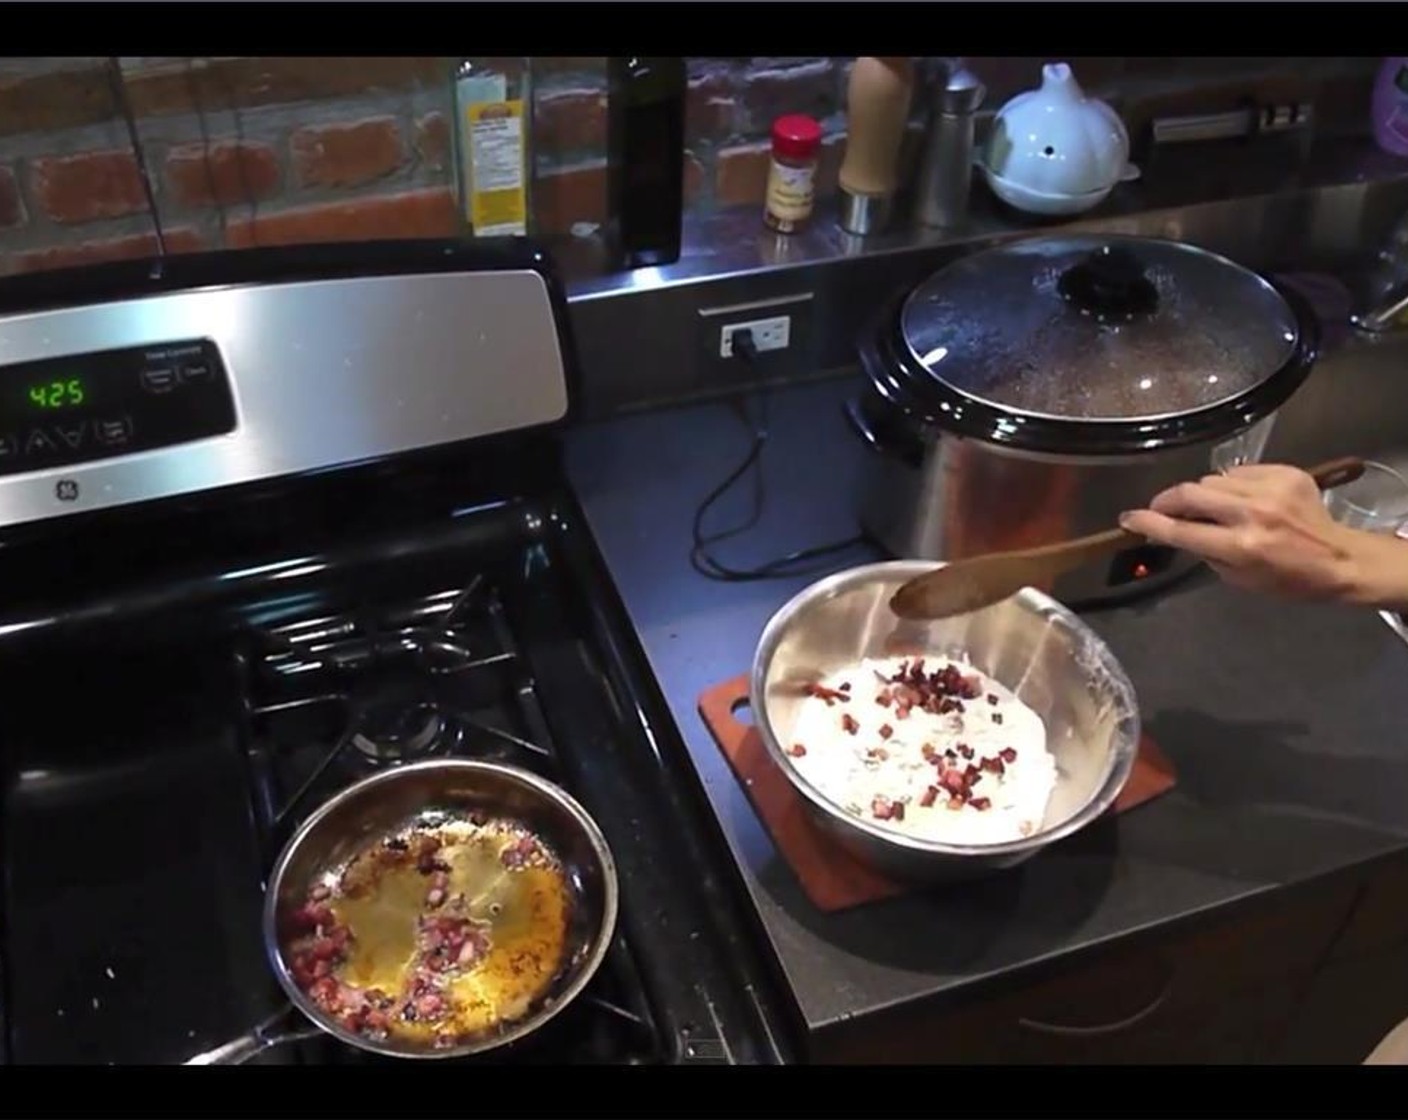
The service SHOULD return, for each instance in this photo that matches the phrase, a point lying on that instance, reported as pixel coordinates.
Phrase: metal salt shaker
(946, 165)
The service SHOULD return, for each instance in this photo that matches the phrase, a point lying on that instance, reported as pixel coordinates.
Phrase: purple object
(1390, 106)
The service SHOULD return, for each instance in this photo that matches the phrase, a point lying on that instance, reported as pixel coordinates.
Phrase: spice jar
(796, 144)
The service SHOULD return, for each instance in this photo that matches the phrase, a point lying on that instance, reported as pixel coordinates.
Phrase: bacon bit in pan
(849, 724)
(362, 1012)
(929, 796)
(952, 780)
(930, 753)
(519, 852)
(954, 803)
(886, 731)
(447, 942)
(980, 803)
(877, 754)
(997, 717)
(897, 811)
(1008, 754)
(439, 888)
(885, 698)
(992, 699)
(325, 992)
(796, 750)
(845, 686)
(965, 750)
(309, 918)
(994, 765)
(427, 850)
(424, 1002)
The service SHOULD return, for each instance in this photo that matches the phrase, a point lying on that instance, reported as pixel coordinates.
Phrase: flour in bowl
(934, 749)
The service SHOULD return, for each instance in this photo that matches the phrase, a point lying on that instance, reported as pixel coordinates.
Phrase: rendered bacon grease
(934, 749)
(451, 928)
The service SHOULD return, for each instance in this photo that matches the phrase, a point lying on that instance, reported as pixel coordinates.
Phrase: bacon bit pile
(938, 693)
(957, 776)
(447, 942)
(520, 853)
(322, 946)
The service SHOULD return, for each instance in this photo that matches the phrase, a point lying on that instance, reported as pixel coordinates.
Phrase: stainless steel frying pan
(434, 796)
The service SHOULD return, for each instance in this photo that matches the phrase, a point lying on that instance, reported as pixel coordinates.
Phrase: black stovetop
(185, 685)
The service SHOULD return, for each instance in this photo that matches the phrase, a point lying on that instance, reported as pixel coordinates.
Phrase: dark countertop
(1288, 726)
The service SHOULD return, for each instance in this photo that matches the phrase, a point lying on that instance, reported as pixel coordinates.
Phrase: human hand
(1265, 528)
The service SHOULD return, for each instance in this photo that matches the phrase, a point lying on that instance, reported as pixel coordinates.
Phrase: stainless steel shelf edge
(638, 333)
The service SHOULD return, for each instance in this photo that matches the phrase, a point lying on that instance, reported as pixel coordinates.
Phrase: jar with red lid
(791, 194)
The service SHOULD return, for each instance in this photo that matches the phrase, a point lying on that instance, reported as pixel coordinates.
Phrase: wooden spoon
(969, 585)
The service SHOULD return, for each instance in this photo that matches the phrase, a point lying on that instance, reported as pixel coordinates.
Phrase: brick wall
(257, 151)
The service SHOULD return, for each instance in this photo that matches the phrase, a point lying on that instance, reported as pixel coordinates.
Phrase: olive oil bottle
(645, 106)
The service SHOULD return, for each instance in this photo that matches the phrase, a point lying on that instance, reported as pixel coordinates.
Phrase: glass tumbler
(1376, 502)
(1246, 447)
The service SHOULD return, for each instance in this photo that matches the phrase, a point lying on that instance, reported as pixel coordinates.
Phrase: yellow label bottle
(494, 148)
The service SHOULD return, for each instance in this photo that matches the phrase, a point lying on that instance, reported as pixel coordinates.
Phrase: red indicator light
(1141, 570)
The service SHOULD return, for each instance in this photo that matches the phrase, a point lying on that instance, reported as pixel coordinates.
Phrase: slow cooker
(1029, 393)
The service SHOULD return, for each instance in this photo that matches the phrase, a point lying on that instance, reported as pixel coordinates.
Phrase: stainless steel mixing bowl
(1030, 643)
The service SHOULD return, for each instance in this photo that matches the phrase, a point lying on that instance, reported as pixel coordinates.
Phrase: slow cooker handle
(1110, 282)
(909, 449)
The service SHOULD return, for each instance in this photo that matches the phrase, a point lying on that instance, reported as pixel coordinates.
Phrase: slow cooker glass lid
(1090, 328)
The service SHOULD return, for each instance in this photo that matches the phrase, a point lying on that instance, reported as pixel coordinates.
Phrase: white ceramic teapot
(1053, 150)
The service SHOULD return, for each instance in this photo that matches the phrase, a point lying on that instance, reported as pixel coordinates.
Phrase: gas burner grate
(334, 697)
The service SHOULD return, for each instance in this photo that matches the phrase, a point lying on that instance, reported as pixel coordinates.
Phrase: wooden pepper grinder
(877, 108)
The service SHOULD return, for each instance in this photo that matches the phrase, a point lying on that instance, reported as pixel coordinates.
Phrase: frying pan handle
(277, 1030)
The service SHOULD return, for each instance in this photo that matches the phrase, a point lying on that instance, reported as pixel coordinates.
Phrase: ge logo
(66, 490)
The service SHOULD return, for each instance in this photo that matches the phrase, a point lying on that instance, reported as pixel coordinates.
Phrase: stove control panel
(238, 369)
(57, 412)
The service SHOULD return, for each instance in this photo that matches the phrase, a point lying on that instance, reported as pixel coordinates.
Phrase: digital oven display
(61, 411)
(63, 393)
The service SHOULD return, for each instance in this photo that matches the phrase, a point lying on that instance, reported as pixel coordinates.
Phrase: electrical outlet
(781, 327)
(768, 334)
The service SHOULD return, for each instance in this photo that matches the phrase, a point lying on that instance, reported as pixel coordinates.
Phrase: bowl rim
(1118, 768)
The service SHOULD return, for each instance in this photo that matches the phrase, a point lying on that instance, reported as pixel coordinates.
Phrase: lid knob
(1110, 283)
